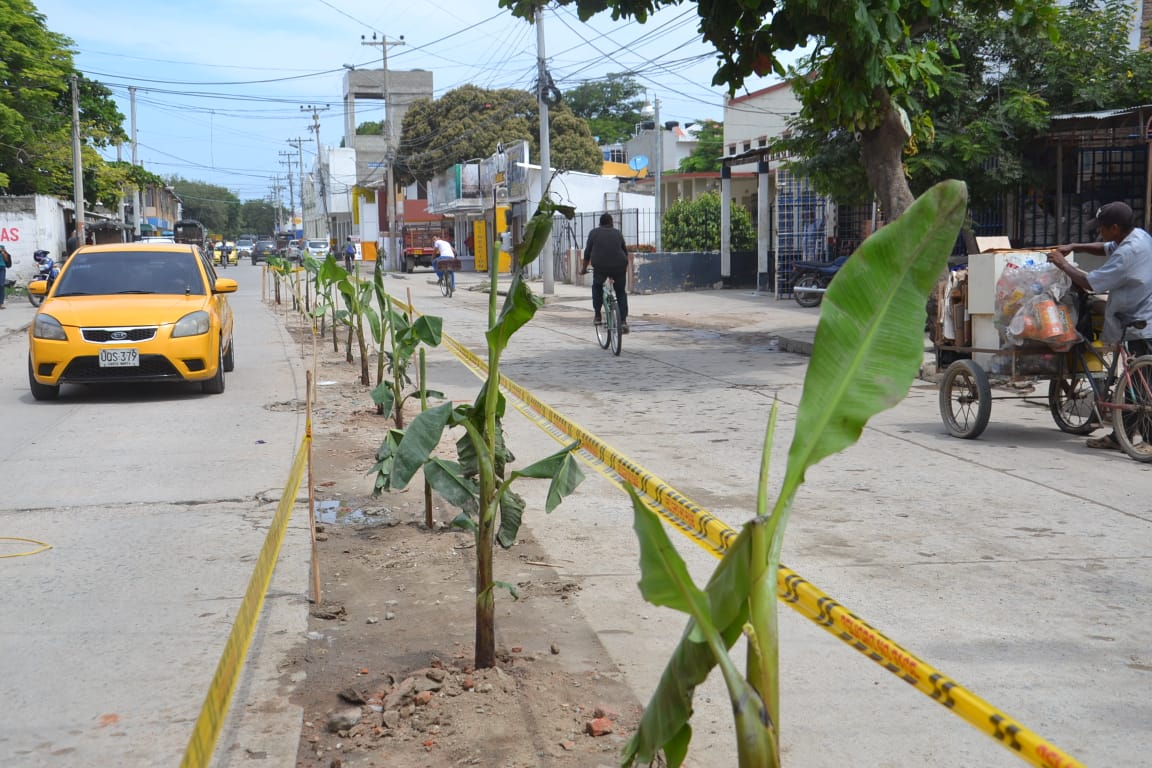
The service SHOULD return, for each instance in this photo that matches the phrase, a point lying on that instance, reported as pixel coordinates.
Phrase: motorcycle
(47, 271)
(813, 274)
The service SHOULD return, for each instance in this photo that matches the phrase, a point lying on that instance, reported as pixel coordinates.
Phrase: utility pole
(659, 165)
(327, 230)
(299, 144)
(291, 192)
(137, 200)
(77, 168)
(274, 200)
(542, 82)
(395, 213)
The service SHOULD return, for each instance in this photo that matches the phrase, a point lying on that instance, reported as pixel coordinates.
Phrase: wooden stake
(317, 598)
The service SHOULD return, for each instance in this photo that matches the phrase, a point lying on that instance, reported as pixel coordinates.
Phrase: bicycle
(608, 333)
(1121, 386)
(448, 269)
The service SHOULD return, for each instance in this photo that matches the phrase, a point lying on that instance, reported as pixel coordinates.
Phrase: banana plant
(404, 337)
(476, 481)
(358, 310)
(868, 348)
(325, 277)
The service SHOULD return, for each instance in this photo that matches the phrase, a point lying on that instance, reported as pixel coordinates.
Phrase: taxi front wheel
(41, 391)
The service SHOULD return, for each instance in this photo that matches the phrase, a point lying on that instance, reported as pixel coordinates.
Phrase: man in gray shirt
(1127, 277)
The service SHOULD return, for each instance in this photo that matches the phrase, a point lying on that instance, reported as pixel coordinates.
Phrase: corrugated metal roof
(1101, 115)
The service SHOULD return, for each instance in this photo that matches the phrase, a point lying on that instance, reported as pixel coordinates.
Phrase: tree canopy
(469, 122)
(36, 68)
(611, 106)
(215, 207)
(866, 65)
(708, 150)
(999, 86)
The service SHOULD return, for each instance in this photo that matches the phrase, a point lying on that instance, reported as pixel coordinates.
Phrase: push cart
(1088, 385)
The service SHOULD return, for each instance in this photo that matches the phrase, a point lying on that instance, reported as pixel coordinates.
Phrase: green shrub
(694, 225)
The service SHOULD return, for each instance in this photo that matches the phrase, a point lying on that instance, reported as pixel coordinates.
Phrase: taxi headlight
(192, 324)
(48, 327)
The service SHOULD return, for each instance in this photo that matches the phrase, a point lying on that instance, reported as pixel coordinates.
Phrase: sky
(222, 86)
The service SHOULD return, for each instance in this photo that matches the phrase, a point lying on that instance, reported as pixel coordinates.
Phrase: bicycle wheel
(1133, 422)
(965, 399)
(603, 332)
(1073, 403)
(612, 320)
(446, 284)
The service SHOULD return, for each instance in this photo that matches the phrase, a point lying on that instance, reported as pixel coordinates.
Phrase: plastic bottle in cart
(1051, 320)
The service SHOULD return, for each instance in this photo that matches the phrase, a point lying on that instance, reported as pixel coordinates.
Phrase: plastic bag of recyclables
(1032, 303)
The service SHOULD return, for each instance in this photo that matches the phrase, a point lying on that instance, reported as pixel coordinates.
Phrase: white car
(244, 247)
(317, 249)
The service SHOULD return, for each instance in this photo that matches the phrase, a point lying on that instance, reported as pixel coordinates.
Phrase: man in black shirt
(606, 252)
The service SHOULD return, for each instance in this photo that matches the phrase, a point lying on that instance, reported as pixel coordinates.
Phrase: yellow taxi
(225, 246)
(132, 312)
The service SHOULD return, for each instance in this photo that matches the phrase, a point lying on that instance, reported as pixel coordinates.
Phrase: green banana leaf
(420, 439)
(868, 348)
(665, 723)
(870, 343)
(520, 306)
(561, 468)
(446, 479)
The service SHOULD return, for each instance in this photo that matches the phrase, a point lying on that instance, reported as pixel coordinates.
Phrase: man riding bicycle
(444, 250)
(1126, 275)
(609, 257)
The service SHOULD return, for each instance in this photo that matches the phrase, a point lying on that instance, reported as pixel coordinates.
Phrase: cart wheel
(965, 399)
(1073, 403)
(1134, 427)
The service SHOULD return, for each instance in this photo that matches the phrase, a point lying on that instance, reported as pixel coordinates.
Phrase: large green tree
(36, 69)
(215, 207)
(996, 93)
(257, 217)
(469, 122)
(611, 107)
(864, 62)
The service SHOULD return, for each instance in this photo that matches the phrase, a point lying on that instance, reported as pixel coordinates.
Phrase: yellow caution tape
(216, 703)
(715, 536)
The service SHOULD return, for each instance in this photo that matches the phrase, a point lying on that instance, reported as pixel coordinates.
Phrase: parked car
(131, 312)
(262, 251)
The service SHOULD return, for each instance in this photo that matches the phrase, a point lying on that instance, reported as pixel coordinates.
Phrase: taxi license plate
(119, 358)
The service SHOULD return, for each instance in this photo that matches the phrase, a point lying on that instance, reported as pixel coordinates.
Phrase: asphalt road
(1016, 563)
(156, 500)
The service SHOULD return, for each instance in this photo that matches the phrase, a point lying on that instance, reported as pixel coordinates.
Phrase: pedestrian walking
(5, 263)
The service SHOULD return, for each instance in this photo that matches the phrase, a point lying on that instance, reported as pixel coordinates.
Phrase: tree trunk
(882, 150)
